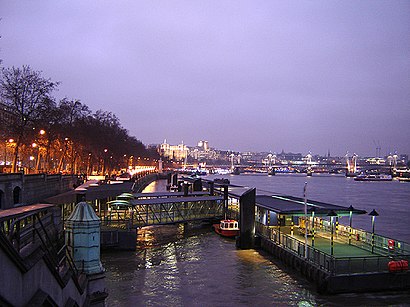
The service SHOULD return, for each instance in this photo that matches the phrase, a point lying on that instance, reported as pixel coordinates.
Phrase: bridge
(148, 209)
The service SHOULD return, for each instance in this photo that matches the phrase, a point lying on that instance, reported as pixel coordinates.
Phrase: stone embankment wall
(16, 189)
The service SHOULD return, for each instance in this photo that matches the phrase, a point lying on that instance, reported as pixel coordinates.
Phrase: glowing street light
(5, 149)
(306, 220)
(331, 214)
(373, 214)
(313, 226)
(350, 223)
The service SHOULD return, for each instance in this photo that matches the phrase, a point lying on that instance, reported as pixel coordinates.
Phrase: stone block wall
(29, 189)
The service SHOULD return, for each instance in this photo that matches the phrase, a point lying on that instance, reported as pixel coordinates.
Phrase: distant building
(173, 152)
(289, 156)
(203, 145)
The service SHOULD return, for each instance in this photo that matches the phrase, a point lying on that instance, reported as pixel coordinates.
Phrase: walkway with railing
(164, 211)
(353, 258)
(32, 243)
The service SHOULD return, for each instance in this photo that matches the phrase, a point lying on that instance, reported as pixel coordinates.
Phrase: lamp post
(9, 141)
(313, 226)
(306, 225)
(31, 158)
(36, 166)
(105, 161)
(350, 223)
(331, 214)
(373, 214)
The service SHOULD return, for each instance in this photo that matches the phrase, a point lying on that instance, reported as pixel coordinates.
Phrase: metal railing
(162, 214)
(331, 264)
(363, 240)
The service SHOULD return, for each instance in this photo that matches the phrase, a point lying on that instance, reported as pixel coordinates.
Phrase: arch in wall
(16, 195)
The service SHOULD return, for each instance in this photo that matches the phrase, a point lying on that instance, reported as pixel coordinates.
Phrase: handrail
(333, 265)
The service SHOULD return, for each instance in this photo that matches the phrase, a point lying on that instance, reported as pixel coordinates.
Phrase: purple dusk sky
(244, 75)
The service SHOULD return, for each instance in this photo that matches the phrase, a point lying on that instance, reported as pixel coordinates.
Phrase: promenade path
(341, 246)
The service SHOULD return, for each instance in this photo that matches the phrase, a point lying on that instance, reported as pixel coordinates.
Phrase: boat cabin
(229, 224)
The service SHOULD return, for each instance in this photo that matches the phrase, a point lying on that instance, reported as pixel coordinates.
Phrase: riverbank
(183, 269)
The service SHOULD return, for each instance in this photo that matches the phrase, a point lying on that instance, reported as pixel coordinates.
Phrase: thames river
(195, 267)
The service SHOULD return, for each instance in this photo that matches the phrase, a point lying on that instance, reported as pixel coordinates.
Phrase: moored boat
(227, 228)
(373, 177)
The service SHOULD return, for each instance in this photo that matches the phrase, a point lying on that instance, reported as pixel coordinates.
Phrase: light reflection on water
(198, 268)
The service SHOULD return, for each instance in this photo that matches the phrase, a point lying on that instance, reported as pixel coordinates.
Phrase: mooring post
(247, 203)
(186, 188)
(225, 207)
(211, 188)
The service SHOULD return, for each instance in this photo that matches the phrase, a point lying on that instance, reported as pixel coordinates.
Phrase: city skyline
(378, 151)
(300, 76)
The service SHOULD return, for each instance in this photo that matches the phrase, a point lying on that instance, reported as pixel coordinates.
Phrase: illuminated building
(174, 152)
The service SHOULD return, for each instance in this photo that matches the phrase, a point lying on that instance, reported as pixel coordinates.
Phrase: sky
(297, 76)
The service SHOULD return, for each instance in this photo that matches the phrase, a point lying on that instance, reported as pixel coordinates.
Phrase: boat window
(231, 225)
(236, 225)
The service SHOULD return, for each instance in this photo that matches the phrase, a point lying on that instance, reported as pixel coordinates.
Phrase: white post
(306, 225)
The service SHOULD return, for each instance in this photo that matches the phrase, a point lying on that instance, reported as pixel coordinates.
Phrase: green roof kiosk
(82, 231)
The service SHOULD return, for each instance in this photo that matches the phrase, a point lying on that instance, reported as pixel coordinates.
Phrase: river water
(194, 267)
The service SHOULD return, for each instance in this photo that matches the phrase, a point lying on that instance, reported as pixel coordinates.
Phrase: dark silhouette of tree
(25, 93)
(65, 136)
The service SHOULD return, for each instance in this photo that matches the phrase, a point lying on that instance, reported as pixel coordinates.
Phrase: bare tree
(72, 111)
(25, 93)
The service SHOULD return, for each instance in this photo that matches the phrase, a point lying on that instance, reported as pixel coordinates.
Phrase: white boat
(227, 228)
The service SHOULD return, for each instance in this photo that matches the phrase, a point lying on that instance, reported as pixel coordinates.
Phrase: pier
(335, 257)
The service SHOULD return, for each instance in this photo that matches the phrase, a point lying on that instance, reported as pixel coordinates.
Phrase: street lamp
(350, 223)
(313, 226)
(9, 141)
(373, 214)
(306, 225)
(31, 159)
(37, 164)
(331, 214)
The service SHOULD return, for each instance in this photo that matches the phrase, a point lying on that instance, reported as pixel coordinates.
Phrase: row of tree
(50, 135)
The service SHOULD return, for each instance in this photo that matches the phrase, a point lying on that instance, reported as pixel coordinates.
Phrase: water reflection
(176, 266)
(198, 269)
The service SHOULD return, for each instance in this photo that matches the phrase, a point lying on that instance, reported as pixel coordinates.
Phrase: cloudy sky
(244, 75)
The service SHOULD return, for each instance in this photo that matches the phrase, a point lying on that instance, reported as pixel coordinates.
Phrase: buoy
(391, 245)
(398, 266)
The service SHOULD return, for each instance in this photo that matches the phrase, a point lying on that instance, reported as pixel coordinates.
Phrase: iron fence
(329, 263)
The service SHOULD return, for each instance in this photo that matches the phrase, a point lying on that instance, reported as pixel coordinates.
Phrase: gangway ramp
(164, 209)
